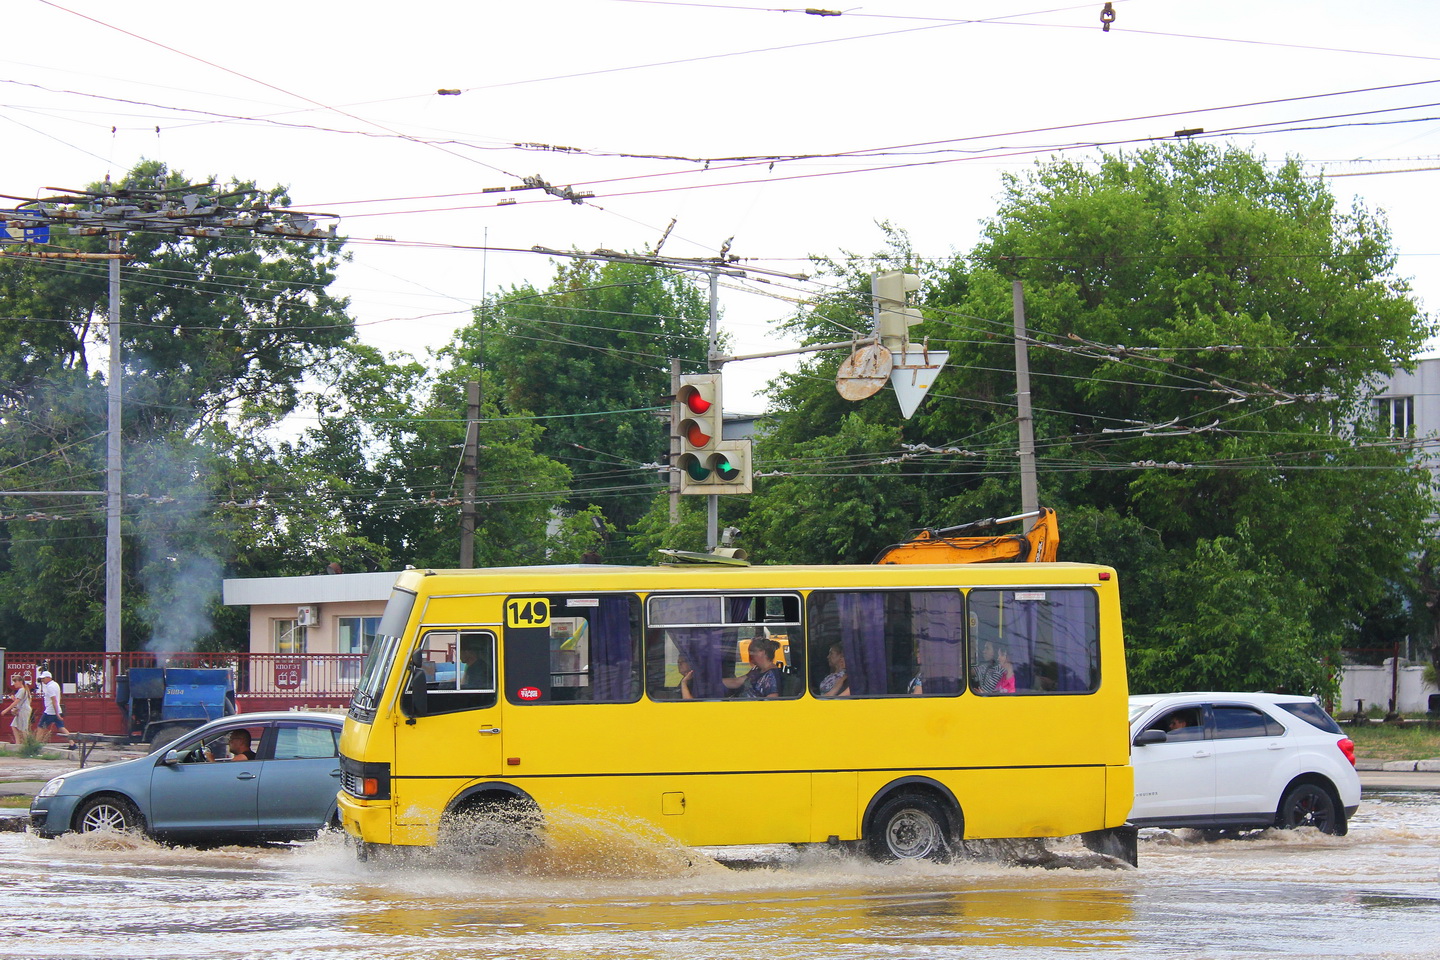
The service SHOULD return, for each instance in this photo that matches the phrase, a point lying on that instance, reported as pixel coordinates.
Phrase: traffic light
(893, 319)
(707, 463)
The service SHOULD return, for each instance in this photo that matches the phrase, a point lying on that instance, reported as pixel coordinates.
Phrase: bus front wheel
(909, 826)
(491, 825)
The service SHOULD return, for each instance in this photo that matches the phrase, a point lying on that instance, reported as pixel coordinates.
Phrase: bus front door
(452, 733)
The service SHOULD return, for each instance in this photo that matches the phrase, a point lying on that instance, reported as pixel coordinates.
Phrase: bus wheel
(909, 827)
(491, 826)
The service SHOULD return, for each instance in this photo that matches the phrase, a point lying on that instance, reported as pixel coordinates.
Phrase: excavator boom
(1039, 544)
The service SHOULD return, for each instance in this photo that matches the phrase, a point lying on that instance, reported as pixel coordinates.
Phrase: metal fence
(329, 677)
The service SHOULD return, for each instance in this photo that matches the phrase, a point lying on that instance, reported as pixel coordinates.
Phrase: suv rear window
(1234, 722)
(1310, 712)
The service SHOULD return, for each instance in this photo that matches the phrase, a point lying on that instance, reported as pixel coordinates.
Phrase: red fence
(263, 681)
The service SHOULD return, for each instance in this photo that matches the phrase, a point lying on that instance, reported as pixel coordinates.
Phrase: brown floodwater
(601, 889)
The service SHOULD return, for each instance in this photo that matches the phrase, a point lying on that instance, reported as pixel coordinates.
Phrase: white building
(1409, 403)
(330, 613)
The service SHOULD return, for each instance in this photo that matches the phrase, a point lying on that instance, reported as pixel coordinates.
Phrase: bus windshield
(382, 653)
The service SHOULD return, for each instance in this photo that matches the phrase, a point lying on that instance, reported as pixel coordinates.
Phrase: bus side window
(891, 642)
(581, 648)
(1037, 641)
(707, 638)
(459, 668)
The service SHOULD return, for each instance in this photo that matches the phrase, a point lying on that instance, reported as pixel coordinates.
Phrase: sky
(902, 111)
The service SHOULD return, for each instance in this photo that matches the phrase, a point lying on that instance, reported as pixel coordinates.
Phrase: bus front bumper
(368, 822)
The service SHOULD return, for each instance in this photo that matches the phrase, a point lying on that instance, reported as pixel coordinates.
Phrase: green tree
(390, 454)
(590, 355)
(1206, 328)
(216, 332)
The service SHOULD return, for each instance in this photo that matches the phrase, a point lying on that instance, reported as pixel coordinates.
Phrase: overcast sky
(339, 102)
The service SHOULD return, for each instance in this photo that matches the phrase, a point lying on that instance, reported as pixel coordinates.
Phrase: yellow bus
(919, 705)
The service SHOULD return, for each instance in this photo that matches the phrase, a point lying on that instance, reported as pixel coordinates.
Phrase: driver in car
(238, 746)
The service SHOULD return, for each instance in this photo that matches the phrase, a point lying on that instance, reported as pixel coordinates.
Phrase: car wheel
(1310, 805)
(107, 813)
(909, 827)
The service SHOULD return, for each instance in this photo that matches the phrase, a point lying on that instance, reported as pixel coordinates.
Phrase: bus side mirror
(417, 691)
(1147, 737)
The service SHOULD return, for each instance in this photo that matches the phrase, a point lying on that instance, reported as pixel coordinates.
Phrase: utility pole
(179, 211)
(113, 479)
(470, 472)
(1029, 496)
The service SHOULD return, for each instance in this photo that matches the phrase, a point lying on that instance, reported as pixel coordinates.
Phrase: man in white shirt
(50, 716)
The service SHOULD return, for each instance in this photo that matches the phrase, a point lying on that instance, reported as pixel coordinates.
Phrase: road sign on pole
(914, 371)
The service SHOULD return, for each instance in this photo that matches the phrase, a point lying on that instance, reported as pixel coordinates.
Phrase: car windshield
(1310, 712)
(1136, 709)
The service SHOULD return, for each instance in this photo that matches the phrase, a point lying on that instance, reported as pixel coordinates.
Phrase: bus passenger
(763, 680)
(1005, 682)
(836, 683)
(988, 670)
(917, 682)
(687, 674)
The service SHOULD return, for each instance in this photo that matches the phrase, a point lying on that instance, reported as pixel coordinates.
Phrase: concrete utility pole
(469, 475)
(113, 480)
(1029, 495)
(113, 212)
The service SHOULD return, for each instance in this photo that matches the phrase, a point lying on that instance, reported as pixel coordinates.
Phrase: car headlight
(51, 788)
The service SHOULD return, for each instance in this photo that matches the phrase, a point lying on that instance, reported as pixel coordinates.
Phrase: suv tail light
(1347, 747)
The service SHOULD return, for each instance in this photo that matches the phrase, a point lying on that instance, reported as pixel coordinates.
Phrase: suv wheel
(1310, 805)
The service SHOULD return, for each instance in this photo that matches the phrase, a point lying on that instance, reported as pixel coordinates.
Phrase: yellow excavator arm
(1039, 544)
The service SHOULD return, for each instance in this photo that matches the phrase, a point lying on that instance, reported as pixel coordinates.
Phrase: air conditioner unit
(306, 616)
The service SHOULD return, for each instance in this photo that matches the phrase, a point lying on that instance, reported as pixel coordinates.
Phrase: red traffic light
(694, 401)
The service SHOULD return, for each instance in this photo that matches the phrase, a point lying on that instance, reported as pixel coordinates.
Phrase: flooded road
(605, 891)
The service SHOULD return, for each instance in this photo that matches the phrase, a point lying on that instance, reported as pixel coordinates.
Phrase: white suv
(1240, 761)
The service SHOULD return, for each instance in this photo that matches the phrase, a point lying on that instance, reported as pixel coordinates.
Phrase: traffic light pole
(712, 502)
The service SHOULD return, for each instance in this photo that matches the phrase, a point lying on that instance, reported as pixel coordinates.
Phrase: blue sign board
(21, 226)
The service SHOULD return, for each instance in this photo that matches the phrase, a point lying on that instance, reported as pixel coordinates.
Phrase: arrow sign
(912, 375)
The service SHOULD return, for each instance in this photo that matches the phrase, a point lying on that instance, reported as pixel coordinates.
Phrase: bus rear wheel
(909, 826)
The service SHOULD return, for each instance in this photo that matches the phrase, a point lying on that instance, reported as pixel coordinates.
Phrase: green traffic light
(696, 471)
(725, 469)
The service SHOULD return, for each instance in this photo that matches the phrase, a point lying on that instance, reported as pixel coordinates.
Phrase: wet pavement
(603, 889)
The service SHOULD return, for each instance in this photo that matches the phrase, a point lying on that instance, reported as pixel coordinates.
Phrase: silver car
(1240, 761)
(194, 790)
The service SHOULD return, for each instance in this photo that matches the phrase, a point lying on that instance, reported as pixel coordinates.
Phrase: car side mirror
(1148, 737)
(172, 757)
